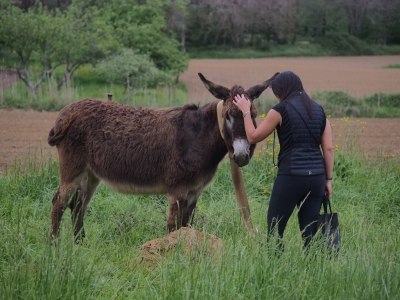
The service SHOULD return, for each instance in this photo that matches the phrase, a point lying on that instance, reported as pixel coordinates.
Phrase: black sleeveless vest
(300, 152)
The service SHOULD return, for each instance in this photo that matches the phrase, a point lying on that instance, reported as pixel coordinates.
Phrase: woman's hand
(328, 188)
(242, 103)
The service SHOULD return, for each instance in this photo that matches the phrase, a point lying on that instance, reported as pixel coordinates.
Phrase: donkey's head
(234, 132)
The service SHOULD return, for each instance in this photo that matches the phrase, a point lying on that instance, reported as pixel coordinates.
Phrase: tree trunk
(32, 87)
(183, 41)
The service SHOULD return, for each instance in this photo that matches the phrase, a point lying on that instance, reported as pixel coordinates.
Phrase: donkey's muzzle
(241, 160)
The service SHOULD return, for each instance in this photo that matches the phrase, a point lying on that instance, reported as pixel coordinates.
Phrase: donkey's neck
(216, 144)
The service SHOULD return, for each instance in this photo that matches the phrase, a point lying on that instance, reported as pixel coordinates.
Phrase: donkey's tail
(54, 138)
(60, 129)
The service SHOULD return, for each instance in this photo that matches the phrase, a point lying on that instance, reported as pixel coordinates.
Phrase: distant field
(23, 134)
(357, 76)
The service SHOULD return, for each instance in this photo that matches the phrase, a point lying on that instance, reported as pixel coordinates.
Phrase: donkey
(174, 151)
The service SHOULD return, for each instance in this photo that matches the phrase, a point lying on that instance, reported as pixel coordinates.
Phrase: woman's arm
(327, 150)
(255, 135)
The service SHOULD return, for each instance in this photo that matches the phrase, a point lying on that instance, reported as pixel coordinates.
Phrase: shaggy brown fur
(135, 150)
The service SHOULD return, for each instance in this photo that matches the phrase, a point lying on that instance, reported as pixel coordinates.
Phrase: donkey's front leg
(177, 207)
(190, 206)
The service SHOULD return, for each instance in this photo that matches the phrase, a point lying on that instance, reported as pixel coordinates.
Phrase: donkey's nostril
(241, 160)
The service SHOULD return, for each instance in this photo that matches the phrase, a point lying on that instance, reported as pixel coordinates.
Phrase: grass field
(106, 265)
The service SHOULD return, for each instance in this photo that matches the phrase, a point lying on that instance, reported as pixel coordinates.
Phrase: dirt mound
(185, 239)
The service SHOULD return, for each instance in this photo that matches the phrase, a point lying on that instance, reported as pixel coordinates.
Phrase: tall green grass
(330, 47)
(88, 84)
(393, 66)
(105, 265)
(300, 49)
(339, 104)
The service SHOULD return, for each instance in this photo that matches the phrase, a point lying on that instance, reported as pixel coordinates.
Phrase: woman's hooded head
(286, 84)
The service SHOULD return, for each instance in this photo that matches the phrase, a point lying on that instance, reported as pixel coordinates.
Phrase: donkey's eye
(229, 121)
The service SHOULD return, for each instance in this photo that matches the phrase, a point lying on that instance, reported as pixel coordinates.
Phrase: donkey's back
(119, 144)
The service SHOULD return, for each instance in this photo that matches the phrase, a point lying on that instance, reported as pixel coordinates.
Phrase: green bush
(385, 100)
(340, 104)
(132, 70)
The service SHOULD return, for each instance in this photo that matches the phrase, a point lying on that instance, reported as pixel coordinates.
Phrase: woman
(304, 172)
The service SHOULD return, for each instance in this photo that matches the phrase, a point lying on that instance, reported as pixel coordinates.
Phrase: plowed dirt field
(23, 134)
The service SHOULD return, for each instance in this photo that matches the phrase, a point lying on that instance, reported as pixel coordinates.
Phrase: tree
(39, 41)
(286, 20)
(141, 26)
(384, 21)
(319, 17)
(219, 22)
(357, 12)
(29, 37)
(85, 39)
(131, 69)
(177, 15)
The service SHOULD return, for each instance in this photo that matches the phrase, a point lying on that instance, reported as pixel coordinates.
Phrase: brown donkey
(172, 151)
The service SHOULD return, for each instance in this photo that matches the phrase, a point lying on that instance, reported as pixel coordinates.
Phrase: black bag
(329, 225)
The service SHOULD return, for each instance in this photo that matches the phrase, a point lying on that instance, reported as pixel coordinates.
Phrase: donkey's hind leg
(72, 170)
(79, 203)
(60, 202)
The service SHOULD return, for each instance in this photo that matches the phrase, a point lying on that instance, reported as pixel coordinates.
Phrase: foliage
(384, 100)
(40, 41)
(260, 23)
(89, 83)
(166, 29)
(141, 25)
(297, 49)
(340, 104)
(106, 266)
(85, 38)
(318, 17)
(342, 43)
(131, 69)
(26, 37)
(53, 44)
(394, 66)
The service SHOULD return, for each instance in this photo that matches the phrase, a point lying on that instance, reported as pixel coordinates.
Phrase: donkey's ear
(218, 91)
(255, 91)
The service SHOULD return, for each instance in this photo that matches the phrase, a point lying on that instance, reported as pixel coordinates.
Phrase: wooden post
(109, 97)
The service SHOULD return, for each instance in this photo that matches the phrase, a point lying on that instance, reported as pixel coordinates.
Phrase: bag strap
(318, 141)
(274, 163)
(326, 202)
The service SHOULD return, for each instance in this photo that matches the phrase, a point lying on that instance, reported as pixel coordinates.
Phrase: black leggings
(290, 191)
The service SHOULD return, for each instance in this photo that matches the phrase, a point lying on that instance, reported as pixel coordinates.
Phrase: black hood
(286, 84)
